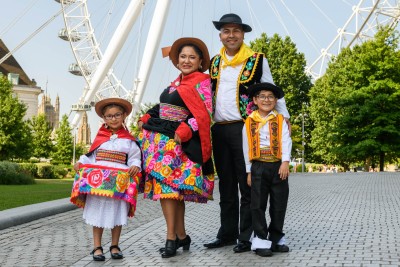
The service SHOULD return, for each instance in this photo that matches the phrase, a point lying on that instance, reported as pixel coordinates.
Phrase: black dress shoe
(279, 248)
(170, 249)
(99, 257)
(180, 243)
(263, 252)
(219, 243)
(117, 255)
(242, 246)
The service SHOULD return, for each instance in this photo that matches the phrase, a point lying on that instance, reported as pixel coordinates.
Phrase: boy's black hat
(257, 87)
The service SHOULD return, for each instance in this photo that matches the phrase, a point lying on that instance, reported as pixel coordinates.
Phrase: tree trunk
(381, 161)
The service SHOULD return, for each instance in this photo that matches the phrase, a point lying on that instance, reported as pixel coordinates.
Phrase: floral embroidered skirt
(169, 173)
(105, 182)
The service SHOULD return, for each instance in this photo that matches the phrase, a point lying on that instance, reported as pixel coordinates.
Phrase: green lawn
(12, 196)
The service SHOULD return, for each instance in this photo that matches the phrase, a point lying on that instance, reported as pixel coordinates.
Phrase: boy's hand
(133, 170)
(249, 179)
(284, 170)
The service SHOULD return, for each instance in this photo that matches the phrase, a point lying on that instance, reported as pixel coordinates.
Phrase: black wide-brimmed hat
(231, 19)
(257, 87)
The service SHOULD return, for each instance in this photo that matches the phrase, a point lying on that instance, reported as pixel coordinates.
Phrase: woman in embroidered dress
(107, 179)
(176, 141)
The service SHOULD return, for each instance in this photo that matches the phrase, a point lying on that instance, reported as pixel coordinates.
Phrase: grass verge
(12, 196)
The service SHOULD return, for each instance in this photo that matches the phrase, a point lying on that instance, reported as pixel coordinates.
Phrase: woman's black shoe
(180, 243)
(184, 243)
(99, 257)
(170, 249)
(117, 255)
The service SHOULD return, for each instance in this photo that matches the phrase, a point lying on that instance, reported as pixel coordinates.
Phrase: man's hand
(284, 170)
(249, 179)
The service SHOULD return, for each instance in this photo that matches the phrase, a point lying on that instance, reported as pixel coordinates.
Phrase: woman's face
(188, 60)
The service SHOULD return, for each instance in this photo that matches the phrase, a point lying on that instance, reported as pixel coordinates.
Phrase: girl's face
(189, 61)
(114, 117)
(265, 101)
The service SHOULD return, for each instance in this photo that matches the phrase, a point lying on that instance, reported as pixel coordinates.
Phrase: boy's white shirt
(264, 141)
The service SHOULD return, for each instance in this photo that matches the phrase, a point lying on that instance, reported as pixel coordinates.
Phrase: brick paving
(343, 219)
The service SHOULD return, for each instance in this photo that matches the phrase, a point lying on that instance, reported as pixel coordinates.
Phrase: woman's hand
(177, 139)
(133, 170)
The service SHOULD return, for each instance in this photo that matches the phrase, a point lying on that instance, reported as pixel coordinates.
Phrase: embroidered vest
(250, 73)
(274, 152)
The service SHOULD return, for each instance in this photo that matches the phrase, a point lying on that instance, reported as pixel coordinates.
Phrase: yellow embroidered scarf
(255, 115)
(244, 53)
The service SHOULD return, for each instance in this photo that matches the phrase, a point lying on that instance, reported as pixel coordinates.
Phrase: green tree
(287, 66)
(41, 133)
(64, 142)
(355, 105)
(15, 136)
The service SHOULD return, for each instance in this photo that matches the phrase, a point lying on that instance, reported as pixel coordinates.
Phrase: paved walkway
(344, 219)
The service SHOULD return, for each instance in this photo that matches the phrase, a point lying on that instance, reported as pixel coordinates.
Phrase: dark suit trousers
(265, 182)
(231, 170)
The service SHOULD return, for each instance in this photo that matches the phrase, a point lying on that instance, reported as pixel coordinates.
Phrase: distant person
(266, 148)
(232, 71)
(176, 142)
(107, 179)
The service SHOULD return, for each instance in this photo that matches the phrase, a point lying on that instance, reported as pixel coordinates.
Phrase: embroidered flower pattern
(95, 178)
(193, 124)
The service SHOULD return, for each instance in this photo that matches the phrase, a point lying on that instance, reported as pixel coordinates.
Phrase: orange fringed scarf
(254, 123)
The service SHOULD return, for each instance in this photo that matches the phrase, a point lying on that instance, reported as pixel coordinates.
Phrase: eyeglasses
(265, 97)
(116, 115)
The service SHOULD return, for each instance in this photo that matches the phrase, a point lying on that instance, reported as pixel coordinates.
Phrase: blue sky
(46, 57)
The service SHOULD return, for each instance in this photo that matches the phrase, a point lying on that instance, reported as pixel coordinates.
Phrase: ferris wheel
(95, 66)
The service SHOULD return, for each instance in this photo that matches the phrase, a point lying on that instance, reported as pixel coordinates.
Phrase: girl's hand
(76, 166)
(249, 179)
(133, 170)
(140, 125)
(284, 170)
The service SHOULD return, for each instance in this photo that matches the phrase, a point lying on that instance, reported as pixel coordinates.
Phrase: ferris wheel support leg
(114, 47)
(149, 53)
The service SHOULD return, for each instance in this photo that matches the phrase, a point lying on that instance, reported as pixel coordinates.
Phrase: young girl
(107, 178)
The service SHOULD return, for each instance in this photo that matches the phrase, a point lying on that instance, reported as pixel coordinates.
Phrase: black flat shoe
(219, 243)
(242, 246)
(99, 257)
(180, 243)
(170, 249)
(118, 255)
(279, 248)
(263, 252)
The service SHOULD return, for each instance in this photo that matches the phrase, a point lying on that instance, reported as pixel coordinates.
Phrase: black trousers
(231, 170)
(265, 182)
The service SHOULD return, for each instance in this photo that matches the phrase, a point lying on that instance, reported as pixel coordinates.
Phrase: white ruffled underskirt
(105, 212)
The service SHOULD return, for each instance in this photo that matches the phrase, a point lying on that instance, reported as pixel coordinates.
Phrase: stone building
(23, 87)
(84, 131)
(52, 112)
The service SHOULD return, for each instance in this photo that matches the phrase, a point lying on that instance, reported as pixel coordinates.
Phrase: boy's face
(265, 101)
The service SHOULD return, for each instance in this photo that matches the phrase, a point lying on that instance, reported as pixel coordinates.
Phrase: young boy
(266, 147)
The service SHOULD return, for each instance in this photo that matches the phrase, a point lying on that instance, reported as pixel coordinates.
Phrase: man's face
(232, 36)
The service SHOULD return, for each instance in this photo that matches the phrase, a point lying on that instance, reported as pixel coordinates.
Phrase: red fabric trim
(104, 134)
(184, 132)
(145, 118)
(196, 106)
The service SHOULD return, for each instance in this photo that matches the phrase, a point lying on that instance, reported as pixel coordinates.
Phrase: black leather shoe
(219, 243)
(99, 257)
(263, 252)
(242, 246)
(170, 249)
(117, 255)
(180, 243)
(279, 248)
